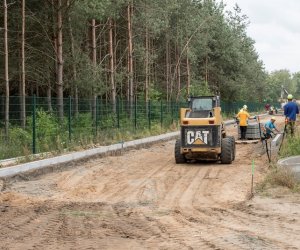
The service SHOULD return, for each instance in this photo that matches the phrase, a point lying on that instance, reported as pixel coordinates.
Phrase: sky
(275, 28)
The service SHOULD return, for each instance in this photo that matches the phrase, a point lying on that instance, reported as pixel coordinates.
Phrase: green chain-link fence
(88, 122)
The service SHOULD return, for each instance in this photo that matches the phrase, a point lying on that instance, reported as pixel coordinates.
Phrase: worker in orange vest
(243, 117)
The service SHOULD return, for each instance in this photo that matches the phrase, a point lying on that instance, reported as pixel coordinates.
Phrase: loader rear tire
(232, 139)
(226, 151)
(179, 158)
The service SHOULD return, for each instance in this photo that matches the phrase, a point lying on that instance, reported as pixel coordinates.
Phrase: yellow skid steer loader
(202, 132)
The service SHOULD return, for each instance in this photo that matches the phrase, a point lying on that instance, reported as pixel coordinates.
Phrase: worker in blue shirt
(270, 128)
(291, 111)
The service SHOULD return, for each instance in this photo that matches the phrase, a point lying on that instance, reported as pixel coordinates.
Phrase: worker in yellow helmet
(243, 117)
(270, 127)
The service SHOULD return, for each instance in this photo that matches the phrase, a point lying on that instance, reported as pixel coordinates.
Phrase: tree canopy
(179, 47)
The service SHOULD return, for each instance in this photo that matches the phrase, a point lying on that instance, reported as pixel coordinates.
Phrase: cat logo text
(197, 137)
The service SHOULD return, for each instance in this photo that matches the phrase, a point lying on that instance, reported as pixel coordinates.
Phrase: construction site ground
(143, 200)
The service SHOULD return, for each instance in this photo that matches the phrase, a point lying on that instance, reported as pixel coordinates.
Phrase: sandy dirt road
(143, 200)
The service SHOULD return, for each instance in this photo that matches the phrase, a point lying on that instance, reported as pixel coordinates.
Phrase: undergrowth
(280, 176)
(82, 132)
(56, 137)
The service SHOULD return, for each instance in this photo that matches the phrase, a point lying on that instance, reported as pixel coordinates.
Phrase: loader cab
(202, 107)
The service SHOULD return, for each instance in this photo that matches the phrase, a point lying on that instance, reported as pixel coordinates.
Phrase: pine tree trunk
(6, 119)
(168, 69)
(115, 42)
(178, 73)
(94, 61)
(153, 74)
(111, 60)
(52, 30)
(188, 82)
(60, 87)
(206, 69)
(128, 82)
(74, 69)
(147, 66)
(23, 101)
(130, 55)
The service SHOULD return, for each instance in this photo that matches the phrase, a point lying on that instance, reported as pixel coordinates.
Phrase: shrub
(291, 146)
(50, 133)
(82, 124)
(22, 136)
(19, 142)
(279, 177)
(282, 177)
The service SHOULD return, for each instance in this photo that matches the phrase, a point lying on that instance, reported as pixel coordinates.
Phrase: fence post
(172, 113)
(97, 111)
(69, 117)
(34, 125)
(135, 113)
(177, 112)
(161, 114)
(118, 112)
(149, 114)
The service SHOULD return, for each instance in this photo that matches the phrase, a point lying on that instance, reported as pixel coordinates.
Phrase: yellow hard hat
(290, 97)
(273, 118)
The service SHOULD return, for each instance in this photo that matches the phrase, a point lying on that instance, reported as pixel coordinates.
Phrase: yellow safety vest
(243, 117)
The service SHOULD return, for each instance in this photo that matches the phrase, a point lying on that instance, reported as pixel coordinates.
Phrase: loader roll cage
(202, 107)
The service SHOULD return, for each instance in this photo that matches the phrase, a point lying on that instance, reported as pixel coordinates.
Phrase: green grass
(290, 146)
(56, 139)
(278, 177)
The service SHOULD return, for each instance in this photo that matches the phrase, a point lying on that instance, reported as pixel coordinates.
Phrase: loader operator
(243, 117)
(291, 111)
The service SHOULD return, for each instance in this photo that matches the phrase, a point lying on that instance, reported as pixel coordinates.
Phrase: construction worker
(243, 117)
(270, 128)
(271, 110)
(290, 111)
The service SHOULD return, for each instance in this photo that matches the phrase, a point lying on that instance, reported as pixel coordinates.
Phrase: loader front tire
(226, 151)
(232, 139)
(179, 158)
